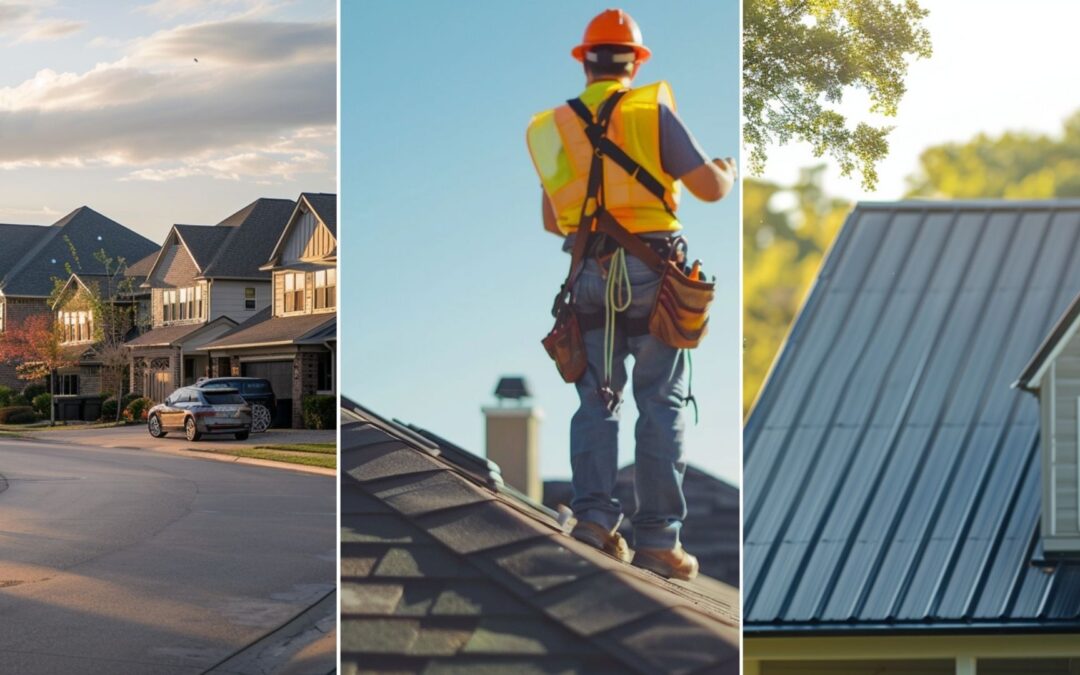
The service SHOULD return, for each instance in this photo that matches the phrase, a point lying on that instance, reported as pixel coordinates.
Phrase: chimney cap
(513, 388)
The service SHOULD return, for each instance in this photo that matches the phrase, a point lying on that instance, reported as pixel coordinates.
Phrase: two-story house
(33, 257)
(204, 282)
(293, 342)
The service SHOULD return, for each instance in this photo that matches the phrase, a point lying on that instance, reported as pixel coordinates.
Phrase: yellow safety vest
(562, 153)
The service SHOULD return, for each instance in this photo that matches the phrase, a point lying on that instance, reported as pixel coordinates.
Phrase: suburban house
(34, 258)
(907, 509)
(96, 312)
(204, 282)
(292, 341)
(450, 565)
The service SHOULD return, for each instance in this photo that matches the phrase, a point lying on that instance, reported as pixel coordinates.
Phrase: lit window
(295, 283)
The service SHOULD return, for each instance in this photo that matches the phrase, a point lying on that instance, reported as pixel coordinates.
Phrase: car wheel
(242, 435)
(191, 431)
(260, 418)
(154, 425)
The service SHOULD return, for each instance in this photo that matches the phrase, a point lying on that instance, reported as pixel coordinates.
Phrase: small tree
(36, 346)
(114, 359)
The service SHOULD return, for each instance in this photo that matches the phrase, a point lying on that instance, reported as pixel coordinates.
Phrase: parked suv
(197, 411)
(255, 391)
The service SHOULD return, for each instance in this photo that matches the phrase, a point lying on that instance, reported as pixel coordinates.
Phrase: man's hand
(711, 181)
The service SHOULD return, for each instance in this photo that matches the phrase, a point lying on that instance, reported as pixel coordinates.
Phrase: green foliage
(127, 399)
(108, 409)
(800, 58)
(18, 400)
(320, 411)
(1014, 165)
(31, 390)
(5, 395)
(20, 414)
(42, 403)
(783, 245)
(136, 410)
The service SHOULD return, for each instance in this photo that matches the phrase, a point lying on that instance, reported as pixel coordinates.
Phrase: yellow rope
(617, 299)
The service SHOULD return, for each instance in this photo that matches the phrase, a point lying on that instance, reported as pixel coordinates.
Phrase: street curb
(201, 454)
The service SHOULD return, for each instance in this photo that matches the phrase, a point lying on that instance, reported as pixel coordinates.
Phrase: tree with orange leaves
(35, 347)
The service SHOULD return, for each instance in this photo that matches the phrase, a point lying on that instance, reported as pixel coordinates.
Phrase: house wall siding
(1063, 449)
(227, 299)
(308, 240)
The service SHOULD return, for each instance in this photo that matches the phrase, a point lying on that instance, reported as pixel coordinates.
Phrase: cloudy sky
(154, 113)
(995, 68)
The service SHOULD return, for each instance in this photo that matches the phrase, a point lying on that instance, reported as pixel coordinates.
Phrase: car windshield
(214, 398)
(257, 387)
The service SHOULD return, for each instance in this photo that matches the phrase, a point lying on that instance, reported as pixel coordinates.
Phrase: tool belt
(680, 313)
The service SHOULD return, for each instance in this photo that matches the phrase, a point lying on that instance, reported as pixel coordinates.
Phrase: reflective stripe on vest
(562, 153)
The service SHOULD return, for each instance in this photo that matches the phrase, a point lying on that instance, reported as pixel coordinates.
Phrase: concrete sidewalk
(136, 437)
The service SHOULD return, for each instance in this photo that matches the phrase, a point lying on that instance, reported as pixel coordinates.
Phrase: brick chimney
(512, 432)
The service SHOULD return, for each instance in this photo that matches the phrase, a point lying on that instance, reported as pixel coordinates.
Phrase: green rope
(617, 299)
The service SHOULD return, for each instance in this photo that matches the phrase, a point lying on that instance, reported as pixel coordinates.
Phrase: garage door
(278, 372)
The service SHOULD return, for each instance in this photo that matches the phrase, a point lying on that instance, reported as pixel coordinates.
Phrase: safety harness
(594, 220)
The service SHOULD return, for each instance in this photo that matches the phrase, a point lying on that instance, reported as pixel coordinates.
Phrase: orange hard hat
(613, 27)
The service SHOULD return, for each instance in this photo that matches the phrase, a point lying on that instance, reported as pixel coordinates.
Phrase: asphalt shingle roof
(18, 241)
(253, 233)
(711, 528)
(266, 329)
(441, 572)
(891, 472)
(164, 336)
(88, 231)
(203, 241)
(325, 206)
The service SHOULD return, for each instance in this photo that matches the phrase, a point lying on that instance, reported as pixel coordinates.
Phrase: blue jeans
(659, 381)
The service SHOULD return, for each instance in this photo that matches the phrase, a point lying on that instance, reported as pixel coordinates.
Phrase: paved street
(120, 561)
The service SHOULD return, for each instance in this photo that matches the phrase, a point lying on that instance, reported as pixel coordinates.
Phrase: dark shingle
(891, 471)
(464, 578)
(253, 232)
(325, 207)
(85, 230)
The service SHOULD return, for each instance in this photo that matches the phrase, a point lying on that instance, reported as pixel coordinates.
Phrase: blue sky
(448, 276)
(102, 103)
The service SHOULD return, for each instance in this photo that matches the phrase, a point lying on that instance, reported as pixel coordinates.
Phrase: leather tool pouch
(565, 343)
(680, 314)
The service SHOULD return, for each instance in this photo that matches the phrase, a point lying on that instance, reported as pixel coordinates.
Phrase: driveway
(121, 561)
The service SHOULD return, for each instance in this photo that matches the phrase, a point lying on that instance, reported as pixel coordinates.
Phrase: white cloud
(28, 23)
(171, 9)
(260, 103)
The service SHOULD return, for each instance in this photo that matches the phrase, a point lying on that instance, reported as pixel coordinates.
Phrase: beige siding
(175, 269)
(308, 240)
(227, 299)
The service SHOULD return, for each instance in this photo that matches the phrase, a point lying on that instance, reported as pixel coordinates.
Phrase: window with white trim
(325, 289)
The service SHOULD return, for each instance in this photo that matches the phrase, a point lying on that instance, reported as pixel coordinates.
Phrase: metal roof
(444, 571)
(891, 476)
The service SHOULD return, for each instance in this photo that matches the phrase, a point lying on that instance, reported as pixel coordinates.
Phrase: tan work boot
(596, 536)
(669, 563)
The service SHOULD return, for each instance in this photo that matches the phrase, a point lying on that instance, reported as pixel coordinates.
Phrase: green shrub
(19, 414)
(5, 396)
(33, 389)
(320, 411)
(41, 404)
(108, 409)
(18, 400)
(136, 410)
(127, 398)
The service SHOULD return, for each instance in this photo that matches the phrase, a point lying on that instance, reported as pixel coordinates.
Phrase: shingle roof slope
(253, 232)
(711, 529)
(18, 241)
(203, 241)
(266, 329)
(325, 206)
(441, 572)
(88, 231)
(141, 267)
(891, 473)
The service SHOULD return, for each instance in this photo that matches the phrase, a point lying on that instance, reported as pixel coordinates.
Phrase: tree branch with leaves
(801, 57)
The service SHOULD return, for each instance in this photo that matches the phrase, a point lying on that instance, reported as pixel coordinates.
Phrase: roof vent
(512, 388)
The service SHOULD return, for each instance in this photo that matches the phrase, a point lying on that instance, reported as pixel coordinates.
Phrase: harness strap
(606, 147)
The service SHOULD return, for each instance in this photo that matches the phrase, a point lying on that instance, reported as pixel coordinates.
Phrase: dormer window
(295, 286)
(77, 326)
(325, 289)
